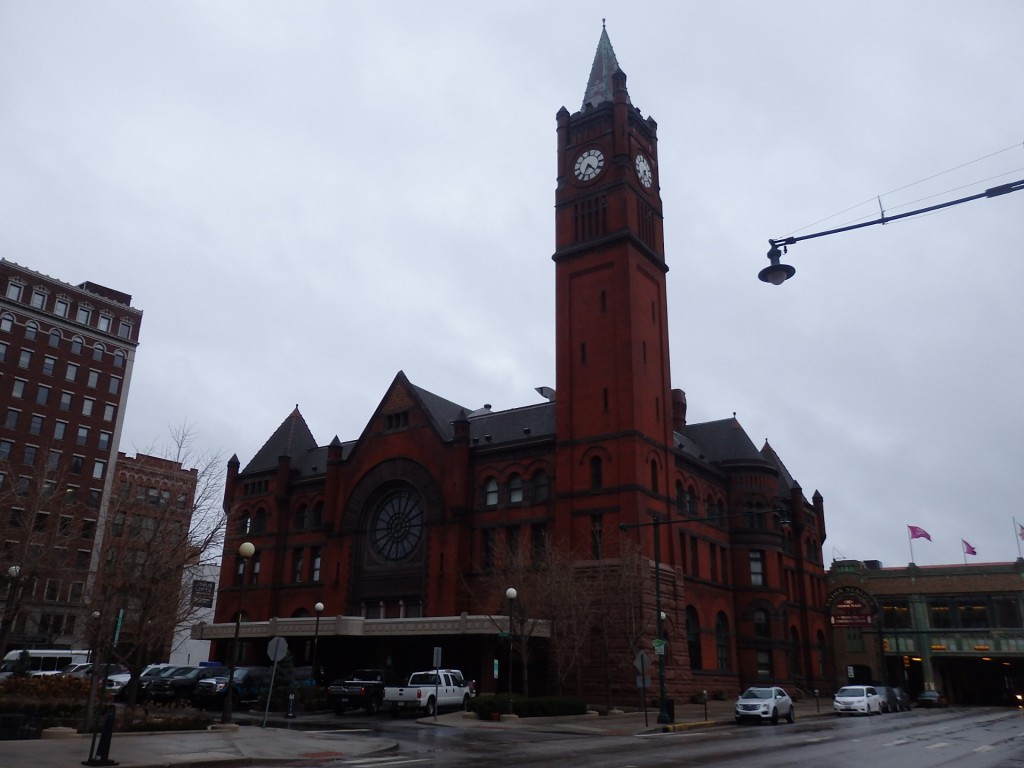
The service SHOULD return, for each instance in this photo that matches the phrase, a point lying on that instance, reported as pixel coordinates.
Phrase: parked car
(179, 684)
(117, 685)
(762, 703)
(857, 699)
(74, 669)
(932, 699)
(249, 684)
(362, 689)
(890, 701)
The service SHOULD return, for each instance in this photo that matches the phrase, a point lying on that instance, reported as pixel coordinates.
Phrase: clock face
(643, 171)
(589, 164)
(397, 526)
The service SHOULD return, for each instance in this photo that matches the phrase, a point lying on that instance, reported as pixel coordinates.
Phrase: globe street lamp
(510, 593)
(319, 608)
(245, 551)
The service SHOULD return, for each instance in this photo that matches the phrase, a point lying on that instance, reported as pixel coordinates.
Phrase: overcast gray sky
(307, 197)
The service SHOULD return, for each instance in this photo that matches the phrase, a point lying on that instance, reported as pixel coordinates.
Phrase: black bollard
(102, 754)
(291, 706)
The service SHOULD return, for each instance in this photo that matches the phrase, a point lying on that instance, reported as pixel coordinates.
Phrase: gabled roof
(292, 438)
(599, 86)
(441, 412)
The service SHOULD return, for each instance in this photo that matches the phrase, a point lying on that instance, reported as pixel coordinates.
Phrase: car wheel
(465, 702)
(372, 707)
(431, 708)
(775, 717)
(791, 715)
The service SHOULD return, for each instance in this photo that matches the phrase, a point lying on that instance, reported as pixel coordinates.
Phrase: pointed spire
(599, 86)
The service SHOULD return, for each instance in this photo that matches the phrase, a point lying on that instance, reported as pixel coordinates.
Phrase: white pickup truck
(426, 692)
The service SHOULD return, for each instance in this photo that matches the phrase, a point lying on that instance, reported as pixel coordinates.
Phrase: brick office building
(397, 531)
(66, 357)
(955, 628)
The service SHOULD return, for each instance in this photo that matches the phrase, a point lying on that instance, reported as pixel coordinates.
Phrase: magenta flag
(968, 549)
(918, 533)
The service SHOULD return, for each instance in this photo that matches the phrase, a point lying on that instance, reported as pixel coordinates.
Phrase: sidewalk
(322, 736)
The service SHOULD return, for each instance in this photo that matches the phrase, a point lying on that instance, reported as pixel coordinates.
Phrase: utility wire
(913, 184)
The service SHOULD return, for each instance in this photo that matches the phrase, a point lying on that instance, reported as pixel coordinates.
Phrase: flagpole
(910, 541)
(963, 548)
(1016, 536)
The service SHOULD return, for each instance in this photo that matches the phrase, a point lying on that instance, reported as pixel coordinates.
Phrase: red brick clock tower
(614, 407)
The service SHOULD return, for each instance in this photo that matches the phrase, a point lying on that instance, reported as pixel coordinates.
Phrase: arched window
(680, 498)
(119, 359)
(515, 489)
(490, 492)
(55, 338)
(762, 627)
(654, 476)
(31, 328)
(541, 485)
(722, 642)
(259, 523)
(76, 344)
(318, 514)
(691, 502)
(795, 669)
(98, 351)
(6, 323)
(693, 638)
(301, 518)
(244, 523)
(596, 472)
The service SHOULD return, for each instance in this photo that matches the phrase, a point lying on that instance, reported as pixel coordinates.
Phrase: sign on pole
(277, 648)
(659, 646)
(437, 657)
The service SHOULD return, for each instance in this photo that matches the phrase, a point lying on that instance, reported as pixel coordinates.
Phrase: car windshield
(851, 691)
(757, 693)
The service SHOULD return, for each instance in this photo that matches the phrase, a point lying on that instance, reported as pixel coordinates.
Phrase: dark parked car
(891, 699)
(932, 699)
(250, 683)
(180, 685)
(363, 689)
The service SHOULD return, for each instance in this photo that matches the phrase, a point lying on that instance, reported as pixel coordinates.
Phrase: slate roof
(720, 442)
(292, 438)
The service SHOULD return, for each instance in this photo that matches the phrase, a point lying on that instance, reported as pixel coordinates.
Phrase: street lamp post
(510, 593)
(319, 608)
(245, 551)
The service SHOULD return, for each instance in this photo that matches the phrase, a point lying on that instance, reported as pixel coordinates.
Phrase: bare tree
(47, 526)
(166, 525)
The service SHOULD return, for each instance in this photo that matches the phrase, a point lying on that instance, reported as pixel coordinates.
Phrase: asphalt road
(978, 738)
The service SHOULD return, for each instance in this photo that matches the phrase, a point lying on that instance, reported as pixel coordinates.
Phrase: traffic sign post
(277, 649)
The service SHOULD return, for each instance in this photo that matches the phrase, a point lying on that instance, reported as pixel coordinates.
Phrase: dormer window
(14, 291)
(83, 315)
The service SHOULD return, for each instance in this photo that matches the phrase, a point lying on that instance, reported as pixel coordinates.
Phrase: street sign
(437, 657)
(642, 663)
(659, 646)
(643, 681)
(277, 648)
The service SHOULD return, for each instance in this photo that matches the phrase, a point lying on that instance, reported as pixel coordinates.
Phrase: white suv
(764, 703)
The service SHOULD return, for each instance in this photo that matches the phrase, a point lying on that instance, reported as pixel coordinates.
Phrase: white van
(43, 661)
